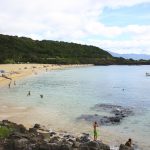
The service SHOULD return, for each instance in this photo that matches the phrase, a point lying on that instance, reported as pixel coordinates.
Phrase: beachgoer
(41, 96)
(95, 131)
(14, 82)
(29, 93)
(128, 143)
(9, 84)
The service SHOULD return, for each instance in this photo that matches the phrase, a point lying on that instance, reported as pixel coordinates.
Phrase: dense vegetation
(15, 49)
(4, 132)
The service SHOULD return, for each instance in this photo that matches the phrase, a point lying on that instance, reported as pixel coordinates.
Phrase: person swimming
(95, 131)
(41, 96)
(29, 93)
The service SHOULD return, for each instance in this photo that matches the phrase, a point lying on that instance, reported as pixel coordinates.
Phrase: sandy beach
(19, 71)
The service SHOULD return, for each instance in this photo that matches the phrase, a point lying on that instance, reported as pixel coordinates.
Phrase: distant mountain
(132, 56)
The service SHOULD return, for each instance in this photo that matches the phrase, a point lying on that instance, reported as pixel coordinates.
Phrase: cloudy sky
(121, 26)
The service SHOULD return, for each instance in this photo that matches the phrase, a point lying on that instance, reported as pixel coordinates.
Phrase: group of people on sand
(95, 125)
(29, 93)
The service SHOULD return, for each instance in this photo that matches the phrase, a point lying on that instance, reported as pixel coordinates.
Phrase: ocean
(69, 93)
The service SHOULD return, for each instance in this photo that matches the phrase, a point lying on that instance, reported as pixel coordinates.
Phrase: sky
(120, 26)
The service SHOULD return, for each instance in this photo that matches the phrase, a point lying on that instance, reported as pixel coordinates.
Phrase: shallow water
(68, 93)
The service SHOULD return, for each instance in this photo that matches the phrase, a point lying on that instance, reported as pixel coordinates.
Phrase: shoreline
(20, 71)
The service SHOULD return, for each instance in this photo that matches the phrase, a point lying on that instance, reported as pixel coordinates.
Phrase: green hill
(15, 49)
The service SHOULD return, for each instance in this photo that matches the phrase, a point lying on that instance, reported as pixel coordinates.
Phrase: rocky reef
(40, 138)
(116, 114)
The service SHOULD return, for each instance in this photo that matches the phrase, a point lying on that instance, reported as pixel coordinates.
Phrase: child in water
(95, 131)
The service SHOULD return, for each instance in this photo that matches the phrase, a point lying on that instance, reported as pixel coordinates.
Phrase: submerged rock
(113, 109)
(117, 113)
(102, 120)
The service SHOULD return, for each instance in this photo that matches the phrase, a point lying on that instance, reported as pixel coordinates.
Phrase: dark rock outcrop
(94, 145)
(38, 138)
(124, 147)
(117, 114)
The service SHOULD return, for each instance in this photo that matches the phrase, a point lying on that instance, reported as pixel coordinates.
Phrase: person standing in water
(9, 84)
(95, 125)
(14, 82)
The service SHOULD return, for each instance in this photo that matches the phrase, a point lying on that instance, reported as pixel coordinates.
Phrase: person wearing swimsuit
(95, 131)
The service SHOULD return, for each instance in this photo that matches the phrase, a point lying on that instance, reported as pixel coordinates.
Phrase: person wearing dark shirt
(128, 143)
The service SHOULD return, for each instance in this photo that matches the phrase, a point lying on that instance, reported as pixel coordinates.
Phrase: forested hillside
(15, 49)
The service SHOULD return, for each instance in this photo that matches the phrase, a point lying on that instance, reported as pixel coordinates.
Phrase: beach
(19, 71)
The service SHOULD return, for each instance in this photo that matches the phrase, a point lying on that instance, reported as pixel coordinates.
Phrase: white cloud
(126, 46)
(122, 3)
(69, 20)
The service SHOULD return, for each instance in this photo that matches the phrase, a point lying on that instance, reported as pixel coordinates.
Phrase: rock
(114, 109)
(65, 147)
(18, 135)
(118, 113)
(44, 134)
(16, 144)
(84, 139)
(44, 146)
(33, 130)
(1, 144)
(21, 144)
(124, 147)
(54, 139)
(9, 144)
(54, 146)
(36, 139)
(94, 145)
(21, 128)
(114, 119)
(71, 140)
(52, 133)
(37, 126)
(86, 134)
(102, 120)
(83, 147)
(76, 144)
(106, 107)
(103, 146)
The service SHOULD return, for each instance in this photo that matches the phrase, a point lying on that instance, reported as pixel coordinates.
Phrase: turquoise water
(68, 93)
